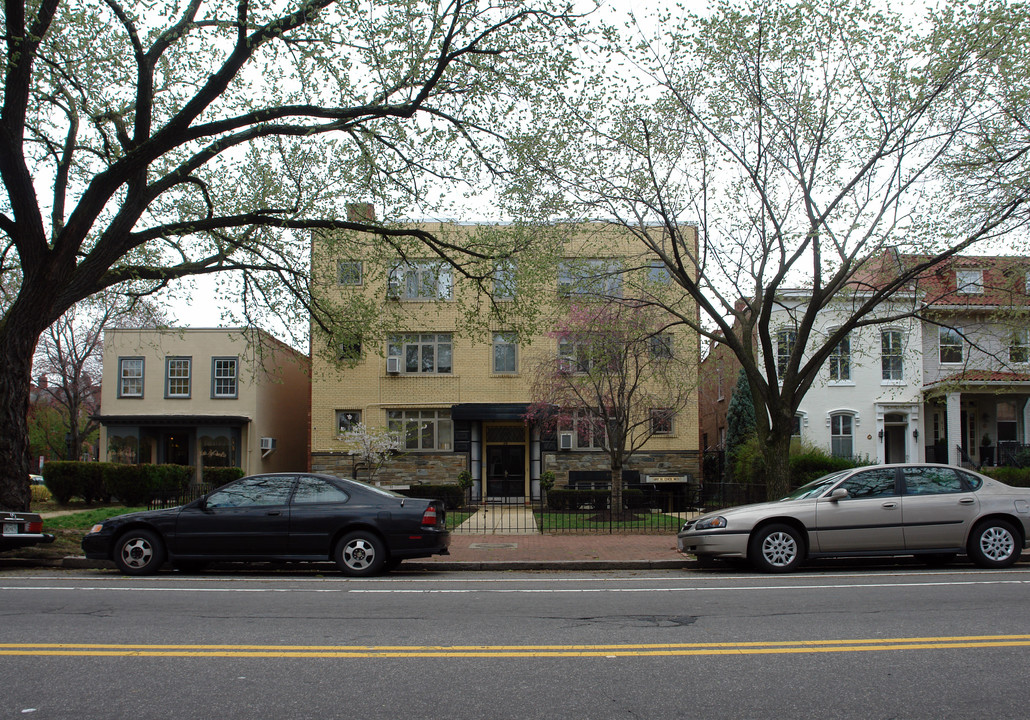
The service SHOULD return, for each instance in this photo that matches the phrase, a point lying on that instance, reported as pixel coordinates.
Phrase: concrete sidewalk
(500, 552)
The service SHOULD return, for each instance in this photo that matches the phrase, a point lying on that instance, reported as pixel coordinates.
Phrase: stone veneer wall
(653, 463)
(411, 469)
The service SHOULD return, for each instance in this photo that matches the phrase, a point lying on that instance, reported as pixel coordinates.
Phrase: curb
(82, 563)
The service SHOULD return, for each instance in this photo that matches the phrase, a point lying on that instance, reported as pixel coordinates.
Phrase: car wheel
(360, 554)
(994, 544)
(776, 548)
(139, 552)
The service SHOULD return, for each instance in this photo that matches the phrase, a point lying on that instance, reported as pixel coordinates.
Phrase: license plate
(10, 528)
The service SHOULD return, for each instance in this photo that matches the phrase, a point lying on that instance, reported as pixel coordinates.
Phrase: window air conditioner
(565, 441)
(268, 443)
(393, 365)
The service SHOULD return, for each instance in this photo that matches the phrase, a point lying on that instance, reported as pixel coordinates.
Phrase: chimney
(361, 212)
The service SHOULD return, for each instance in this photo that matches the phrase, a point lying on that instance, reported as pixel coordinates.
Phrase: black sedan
(21, 529)
(283, 516)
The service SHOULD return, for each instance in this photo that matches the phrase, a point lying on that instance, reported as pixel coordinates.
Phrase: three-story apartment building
(458, 392)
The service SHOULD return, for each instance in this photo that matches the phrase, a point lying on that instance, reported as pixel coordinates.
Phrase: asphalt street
(886, 642)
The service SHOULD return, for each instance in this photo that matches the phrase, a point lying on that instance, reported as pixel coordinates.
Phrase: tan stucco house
(204, 398)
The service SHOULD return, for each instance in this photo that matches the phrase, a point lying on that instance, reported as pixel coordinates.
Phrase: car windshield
(816, 487)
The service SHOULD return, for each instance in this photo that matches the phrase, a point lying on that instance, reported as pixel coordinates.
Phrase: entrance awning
(489, 411)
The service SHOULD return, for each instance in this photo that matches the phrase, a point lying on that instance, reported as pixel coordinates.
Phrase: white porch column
(954, 409)
(1026, 424)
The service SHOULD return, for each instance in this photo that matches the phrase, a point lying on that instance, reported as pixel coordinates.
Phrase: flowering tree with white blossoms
(370, 447)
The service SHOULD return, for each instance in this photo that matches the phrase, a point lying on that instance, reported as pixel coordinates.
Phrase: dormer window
(969, 282)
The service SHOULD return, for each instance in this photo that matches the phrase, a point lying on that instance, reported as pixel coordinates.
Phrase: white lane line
(545, 591)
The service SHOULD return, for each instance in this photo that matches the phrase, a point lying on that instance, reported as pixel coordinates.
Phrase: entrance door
(505, 472)
(177, 448)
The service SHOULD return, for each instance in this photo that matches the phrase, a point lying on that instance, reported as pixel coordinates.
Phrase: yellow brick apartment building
(456, 391)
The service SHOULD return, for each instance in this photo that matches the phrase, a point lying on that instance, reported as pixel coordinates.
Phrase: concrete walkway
(499, 519)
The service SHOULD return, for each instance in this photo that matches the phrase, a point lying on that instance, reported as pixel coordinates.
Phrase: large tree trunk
(776, 454)
(16, 350)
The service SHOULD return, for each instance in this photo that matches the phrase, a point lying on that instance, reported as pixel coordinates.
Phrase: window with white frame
(421, 280)
(842, 435)
(505, 279)
(177, 377)
(426, 353)
(601, 278)
(840, 360)
(785, 341)
(661, 421)
(348, 272)
(422, 429)
(891, 356)
(130, 377)
(950, 345)
(224, 377)
(969, 282)
(505, 352)
(346, 420)
(1019, 346)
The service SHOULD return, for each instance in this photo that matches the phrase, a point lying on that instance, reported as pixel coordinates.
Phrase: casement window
(421, 280)
(130, 377)
(346, 420)
(658, 273)
(840, 361)
(224, 377)
(1019, 347)
(969, 282)
(587, 428)
(424, 353)
(422, 429)
(950, 345)
(505, 355)
(505, 280)
(178, 377)
(599, 278)
(661, 421)
(841, 435)
(785, 342)
(660, 346)
(574, 357)
(891, 356)
(348, 272)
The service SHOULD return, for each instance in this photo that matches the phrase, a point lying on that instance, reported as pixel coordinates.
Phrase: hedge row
(453, 496)
(1016, 477)
(130, 484)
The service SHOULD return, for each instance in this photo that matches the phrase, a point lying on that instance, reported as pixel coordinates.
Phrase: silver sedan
(932, 511)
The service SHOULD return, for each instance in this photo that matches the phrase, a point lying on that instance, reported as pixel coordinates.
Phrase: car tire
(776, 548)
(360, 554)
(139, 552)
(994, 544)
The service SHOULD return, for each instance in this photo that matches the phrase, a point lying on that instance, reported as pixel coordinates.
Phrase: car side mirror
(839, 494)
(200, 503)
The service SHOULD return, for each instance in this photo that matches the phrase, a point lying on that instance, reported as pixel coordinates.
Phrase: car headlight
(96, 528)
(708, 523)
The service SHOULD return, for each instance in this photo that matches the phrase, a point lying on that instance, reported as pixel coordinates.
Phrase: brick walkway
(614, 548)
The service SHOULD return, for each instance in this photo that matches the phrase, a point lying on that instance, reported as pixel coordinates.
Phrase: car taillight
(429, 516)
(34, 527)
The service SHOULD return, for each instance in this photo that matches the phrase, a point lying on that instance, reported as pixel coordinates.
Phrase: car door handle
(966, 501)
(274, 512)
(890, 505)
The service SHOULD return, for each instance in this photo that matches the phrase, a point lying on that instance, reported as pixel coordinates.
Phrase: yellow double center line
(517, 651)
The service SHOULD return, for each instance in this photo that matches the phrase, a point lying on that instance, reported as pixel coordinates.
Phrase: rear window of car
(932, 481)
(316, 490)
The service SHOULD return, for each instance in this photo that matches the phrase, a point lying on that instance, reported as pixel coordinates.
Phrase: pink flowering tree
(618, 379)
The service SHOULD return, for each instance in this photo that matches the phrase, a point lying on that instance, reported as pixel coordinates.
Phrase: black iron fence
(646, 508)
